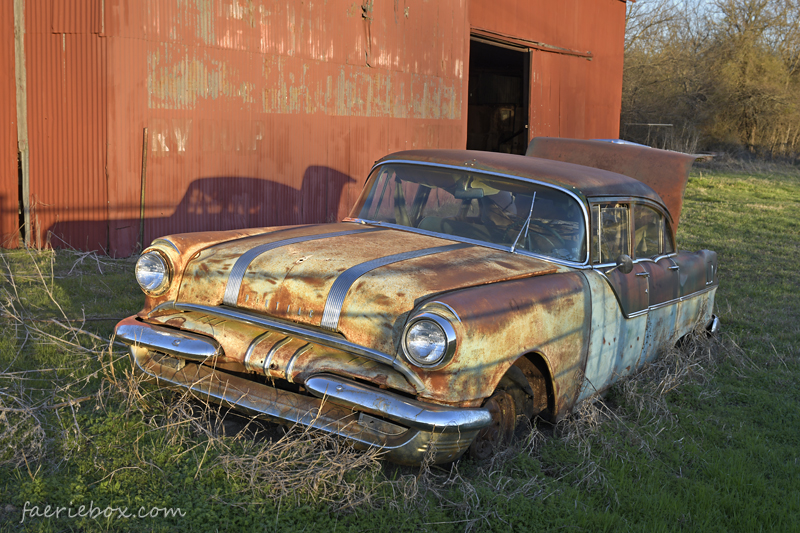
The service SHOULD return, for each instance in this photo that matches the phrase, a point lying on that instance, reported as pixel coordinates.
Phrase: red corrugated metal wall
(66, 123)
(266, 112)
(271, 112)
(9, 192)
(570, 95)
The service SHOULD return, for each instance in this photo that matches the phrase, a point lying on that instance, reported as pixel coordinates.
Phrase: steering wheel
(543, 230)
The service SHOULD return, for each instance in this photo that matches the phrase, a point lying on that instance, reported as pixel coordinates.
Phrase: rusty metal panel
(664, 171)
(77, 16)
(270, 112)
(545, 118)
(570, 97)
(67, 139)
(9, 185)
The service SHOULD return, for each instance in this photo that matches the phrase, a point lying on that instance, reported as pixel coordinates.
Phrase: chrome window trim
(322, 338)
(236, 276)
(635, 261)
(345, 281)
(455, 238)
(577, 198)
(632, 201)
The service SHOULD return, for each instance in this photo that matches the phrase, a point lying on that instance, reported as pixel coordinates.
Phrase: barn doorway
(499, 88)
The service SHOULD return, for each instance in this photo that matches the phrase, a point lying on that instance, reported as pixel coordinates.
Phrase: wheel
(514, 396)
(550, 231)
(497, 434)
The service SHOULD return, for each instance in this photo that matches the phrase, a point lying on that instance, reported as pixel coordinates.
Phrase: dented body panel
(413, 337)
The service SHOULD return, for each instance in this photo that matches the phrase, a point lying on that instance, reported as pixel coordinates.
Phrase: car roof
(585, 181)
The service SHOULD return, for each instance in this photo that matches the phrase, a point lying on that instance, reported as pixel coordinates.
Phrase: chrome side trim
(173, 342)
(301, 332)
(249, 353)
(396, 408)
(714, 325)
(656, 306)
(436, 303)
(167, 241)
(290, 365)
(234, 283)
(271, 353)
(341, 286)
(681, 298)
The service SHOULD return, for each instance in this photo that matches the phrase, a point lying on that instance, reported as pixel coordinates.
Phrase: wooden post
(144, 182)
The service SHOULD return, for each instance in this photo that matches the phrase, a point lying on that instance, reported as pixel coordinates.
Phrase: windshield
(480, 207)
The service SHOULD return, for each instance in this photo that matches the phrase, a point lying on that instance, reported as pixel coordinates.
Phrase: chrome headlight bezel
(166, 281)
(449, 334)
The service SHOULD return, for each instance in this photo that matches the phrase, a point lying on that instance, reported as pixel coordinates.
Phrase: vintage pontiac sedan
(465, 290)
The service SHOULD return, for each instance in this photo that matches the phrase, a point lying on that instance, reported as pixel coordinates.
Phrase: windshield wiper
(524, 226)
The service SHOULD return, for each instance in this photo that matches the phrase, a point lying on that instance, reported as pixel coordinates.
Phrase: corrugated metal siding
(9, 192)
(266, 113)
(66, 131)
(570, 96)
(77, 16)
(271, 112)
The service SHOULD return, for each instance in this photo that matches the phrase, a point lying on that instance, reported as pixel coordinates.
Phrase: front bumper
(406, 429)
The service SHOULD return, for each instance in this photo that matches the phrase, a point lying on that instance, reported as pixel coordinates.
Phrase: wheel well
(534, 367)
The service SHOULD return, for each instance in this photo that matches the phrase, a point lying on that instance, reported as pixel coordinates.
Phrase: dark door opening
(497, 116)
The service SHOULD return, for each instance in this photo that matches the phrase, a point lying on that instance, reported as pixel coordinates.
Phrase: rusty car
(466, 289)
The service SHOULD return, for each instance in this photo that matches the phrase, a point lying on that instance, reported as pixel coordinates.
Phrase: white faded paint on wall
(178, 81)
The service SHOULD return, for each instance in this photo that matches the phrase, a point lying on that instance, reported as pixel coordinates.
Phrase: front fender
(549, 315)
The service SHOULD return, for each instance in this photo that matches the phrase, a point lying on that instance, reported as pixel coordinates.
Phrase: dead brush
(471, 493)
(268, 462)
(636, 410)
(38, 405)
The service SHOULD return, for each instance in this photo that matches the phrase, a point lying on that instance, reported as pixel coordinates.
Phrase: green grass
(720, 452)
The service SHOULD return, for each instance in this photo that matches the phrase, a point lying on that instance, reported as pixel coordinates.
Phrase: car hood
(361, 281)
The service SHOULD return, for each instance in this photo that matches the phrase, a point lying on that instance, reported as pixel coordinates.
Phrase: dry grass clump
(472, 494)
(304, 464)
(632, 416)
(265, 461)
(37, 402)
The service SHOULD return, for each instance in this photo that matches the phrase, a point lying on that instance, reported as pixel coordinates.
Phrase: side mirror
(624, 264)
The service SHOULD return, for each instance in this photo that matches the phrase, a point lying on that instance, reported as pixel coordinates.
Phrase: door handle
(674, 267)
(645, 274)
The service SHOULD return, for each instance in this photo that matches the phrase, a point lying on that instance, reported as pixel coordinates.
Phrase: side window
(650, 236)
(610, 232)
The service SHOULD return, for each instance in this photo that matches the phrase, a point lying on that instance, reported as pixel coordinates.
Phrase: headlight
(429, 340)
(152, 272)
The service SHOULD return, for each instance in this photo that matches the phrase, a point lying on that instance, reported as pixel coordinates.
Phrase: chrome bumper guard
(714, 325)
(407, 429)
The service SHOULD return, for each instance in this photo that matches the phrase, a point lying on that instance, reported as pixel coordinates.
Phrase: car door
(619, 300)
(653, 249)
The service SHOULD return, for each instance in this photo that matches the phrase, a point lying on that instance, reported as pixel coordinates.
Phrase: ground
(707, 439)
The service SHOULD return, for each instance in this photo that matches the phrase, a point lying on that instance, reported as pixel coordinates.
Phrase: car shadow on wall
(212, 204)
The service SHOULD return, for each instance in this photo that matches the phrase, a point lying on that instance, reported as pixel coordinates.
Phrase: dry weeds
(38, 426)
